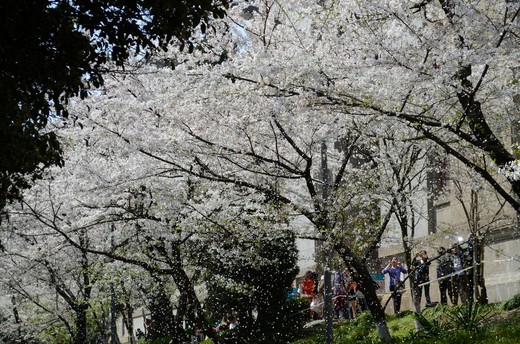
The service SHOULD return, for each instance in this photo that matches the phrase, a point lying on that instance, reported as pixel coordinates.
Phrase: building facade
(451, 213)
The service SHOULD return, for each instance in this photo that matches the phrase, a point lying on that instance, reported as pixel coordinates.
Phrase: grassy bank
(497, 323)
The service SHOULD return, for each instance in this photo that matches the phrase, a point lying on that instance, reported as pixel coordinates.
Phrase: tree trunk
(403, 220)
(81, 325)
(369, 287)
(416, 305)
(189, 304)
(478, 271)
(129, 323)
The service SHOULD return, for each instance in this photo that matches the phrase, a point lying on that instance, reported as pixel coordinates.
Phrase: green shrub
(255, 282)
(471, 316)
(165, 340)
(513, 303)
(296, 315)
(436, 321)
(430, 328)
(362, 326)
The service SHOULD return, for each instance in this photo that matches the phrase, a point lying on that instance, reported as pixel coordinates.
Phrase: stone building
(450, 212)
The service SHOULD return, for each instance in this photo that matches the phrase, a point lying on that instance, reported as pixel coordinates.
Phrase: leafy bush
(253, 286)
(442, 320)
(430, 328)
(362, 326)
(513, 303)
(296, 315)
(435, 321)
(165, 340)
(471, 316)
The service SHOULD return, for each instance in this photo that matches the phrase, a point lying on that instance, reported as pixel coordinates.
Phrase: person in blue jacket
(394, 270)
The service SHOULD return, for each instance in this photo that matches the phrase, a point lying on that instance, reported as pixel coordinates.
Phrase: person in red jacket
(308, 289)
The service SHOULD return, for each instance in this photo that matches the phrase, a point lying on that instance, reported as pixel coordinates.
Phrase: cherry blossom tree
(55, 282)
(265, 153)
(138, 213)
(446, 68)
(254, 107)
(426, 64)
(232, 150)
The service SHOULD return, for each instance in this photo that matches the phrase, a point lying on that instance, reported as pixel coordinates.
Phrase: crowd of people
(348, 300)
(454, 276)
(228, 322)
